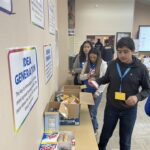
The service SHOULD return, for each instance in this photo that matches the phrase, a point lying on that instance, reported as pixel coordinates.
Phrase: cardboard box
(72, 88)
(72, 111)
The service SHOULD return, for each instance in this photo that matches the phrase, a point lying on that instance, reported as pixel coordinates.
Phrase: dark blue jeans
(127, 120)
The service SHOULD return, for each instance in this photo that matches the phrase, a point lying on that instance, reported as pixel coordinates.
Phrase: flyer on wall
(23, 70)
(48, 62)
(52, 16)
(37, 12)
(6, 6)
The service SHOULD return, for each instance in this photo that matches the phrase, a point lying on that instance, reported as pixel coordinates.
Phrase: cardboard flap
(73, 110)
(86, 98)
(50, 105)
(54, 104)
(75, 93)
(72, 87)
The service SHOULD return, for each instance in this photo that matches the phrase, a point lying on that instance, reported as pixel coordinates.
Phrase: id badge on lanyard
(119, 95)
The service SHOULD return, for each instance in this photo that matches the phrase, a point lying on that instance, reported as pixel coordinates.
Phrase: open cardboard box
(73, 88)
(71, 111)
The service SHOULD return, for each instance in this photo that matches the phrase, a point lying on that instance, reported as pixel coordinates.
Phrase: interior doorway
(94, 38)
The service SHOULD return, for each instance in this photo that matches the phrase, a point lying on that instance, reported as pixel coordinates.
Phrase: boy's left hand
(131, 101)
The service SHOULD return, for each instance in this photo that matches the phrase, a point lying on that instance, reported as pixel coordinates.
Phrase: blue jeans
(93, 112)
(127, 120)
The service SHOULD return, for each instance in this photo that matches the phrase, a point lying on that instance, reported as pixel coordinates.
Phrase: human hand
(131, 101)
(89, 82)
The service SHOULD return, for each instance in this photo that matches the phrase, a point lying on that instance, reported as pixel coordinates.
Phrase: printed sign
(52, 17)
(37, 12)
(6, 5)
(23, 70)
(48, 60)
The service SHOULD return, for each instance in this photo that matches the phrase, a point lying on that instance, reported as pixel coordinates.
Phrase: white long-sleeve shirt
(84, 76)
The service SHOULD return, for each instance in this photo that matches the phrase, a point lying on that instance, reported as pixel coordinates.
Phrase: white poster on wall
(52, 16)
(144, 38)
(48, 61)
(23, 69)
(6, 5)
(37, 12)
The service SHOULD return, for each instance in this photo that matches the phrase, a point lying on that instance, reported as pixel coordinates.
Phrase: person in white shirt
(94, 68)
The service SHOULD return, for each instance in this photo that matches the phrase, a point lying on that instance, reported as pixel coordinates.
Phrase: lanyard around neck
(122, 75)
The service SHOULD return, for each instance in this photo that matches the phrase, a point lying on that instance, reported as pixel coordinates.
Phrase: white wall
(110, 17)
(17, 31)
(63, 41)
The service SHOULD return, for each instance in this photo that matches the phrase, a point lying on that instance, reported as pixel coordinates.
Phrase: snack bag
(66, 140)
(48, 147)
(49, 138)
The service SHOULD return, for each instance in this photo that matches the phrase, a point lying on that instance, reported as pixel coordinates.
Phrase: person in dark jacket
(124, 77)
(108, 52)
(99, 47)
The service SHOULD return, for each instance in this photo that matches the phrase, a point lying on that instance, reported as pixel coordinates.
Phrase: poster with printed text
(48, 61)
(6, 6)
(37, 12)
(23, 70)
(52, 16)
